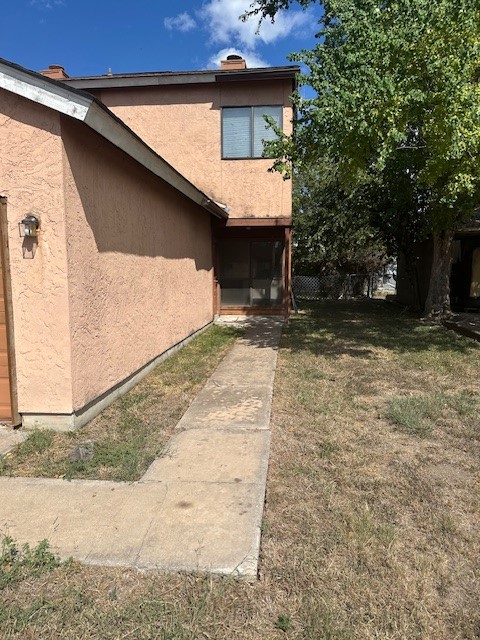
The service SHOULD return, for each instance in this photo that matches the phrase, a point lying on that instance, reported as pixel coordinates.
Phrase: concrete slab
(229, 408)
(79, 518)
(246, 322)
(205, 455)
(188, 526)
(241, 367)
(206, 527)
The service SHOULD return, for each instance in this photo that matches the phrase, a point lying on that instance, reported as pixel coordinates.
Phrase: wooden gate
(8, 395)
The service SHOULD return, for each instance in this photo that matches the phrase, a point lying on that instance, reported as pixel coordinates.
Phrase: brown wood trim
(251, 311)
(215, 283)
(274, 73)
(7, 286)
(287, 271)
(259, 222)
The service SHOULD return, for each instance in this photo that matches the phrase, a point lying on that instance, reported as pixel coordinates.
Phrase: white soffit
(58, 100)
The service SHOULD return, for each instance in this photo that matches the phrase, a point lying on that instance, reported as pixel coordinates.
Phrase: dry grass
(371, 529)
(133, 431)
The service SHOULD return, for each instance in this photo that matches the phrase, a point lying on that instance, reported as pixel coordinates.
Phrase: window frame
(252, 134)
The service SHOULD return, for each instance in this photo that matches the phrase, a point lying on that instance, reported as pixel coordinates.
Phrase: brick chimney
(233, 63)
(55, 71)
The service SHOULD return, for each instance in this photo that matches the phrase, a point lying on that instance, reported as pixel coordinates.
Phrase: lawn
(372, 514)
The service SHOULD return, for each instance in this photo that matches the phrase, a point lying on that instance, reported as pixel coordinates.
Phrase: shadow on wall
(126, 208)
(171, 95)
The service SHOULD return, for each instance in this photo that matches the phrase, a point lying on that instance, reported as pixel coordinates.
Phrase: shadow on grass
(356, 327)
(261, 332)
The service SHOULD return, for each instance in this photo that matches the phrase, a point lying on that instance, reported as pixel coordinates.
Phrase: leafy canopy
(397, 86)
(333, 228)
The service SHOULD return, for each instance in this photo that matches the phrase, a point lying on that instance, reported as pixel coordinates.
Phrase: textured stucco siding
(139, 263)
(183, 124)
(31, 177)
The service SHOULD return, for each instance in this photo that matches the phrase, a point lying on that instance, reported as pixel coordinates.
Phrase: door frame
(7, 288)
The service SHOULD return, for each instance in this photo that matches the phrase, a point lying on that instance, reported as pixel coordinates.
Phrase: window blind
(236, 132)
(261, 130)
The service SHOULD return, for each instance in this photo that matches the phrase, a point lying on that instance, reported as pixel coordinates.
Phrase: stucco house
(133, 209)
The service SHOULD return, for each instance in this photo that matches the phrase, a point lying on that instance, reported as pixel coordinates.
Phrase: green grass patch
(18, 563)
(418, 415)
(123, 441)
(36, 443)
(415, 415)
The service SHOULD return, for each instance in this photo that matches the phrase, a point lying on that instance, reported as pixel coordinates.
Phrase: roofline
(162, 78)
(85, 108)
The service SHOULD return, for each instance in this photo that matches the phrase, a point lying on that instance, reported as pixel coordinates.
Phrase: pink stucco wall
(139, 263)
(183, 124)
(123, 266)
(31, 177)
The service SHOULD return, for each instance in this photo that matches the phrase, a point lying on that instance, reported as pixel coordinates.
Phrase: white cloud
(46, 4)
(182, 22)
(252, 59)
(221, 17)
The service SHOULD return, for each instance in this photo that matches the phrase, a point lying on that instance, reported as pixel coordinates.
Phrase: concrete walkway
(199, 508)
(468, 324)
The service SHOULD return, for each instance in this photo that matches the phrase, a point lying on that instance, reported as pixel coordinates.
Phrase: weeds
(36, 443)
(19, 563)
(284, 622)
(418, 415)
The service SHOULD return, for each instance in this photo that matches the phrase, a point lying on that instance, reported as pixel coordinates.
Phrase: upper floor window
(244, 130)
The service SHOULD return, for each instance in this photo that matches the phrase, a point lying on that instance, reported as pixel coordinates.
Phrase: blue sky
(88, 37)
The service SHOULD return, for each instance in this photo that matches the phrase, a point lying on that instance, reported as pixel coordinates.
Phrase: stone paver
(198, 508)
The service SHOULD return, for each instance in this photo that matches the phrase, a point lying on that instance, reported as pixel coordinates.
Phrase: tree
(333, 229)
(397, 102)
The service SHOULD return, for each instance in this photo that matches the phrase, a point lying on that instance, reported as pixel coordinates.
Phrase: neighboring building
(465, 279)
(413, 283)
(149, 226)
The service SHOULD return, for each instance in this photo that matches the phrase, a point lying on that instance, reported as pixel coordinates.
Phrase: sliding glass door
(250, 273)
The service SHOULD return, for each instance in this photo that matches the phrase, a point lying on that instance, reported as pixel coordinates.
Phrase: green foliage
(18, 563)
(284, 622)
(332, 229)
(397, 84)
(38, 441)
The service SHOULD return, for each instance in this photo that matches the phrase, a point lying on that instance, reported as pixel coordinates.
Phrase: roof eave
(124, 81)
(84, 108)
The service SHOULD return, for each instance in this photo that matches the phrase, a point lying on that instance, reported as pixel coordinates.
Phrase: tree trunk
(437, 305)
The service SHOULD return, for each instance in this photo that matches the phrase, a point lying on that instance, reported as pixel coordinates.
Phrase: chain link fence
(335, 286)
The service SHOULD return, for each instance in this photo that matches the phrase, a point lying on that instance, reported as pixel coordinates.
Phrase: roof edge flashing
(152, 79)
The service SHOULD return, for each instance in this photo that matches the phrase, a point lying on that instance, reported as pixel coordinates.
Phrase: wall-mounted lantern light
(28, 227)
